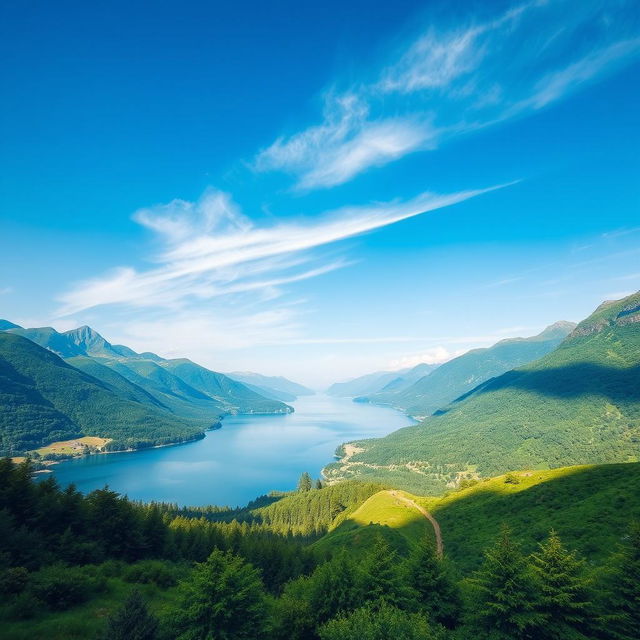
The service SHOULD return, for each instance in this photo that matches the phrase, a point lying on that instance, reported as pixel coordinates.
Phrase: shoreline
(203, 434)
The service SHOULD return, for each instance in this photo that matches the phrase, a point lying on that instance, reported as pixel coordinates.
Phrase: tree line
(242, 580)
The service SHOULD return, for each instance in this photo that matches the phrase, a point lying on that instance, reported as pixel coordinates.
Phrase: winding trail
(427, 515)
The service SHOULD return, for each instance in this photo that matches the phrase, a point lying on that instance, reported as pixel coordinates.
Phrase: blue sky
(317, 191)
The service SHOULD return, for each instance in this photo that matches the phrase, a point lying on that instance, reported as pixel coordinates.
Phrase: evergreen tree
(132, 621)
(305, 483)
(564, 599)
(506, 594)
(382, 582)
(335, 588)
(224, 599)
(318, 483)
(623, 617)
(437, 593)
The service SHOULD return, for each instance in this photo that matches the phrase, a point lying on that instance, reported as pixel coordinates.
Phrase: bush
(13, 581)
(23, 607)
(511, 478)
(157, 572)
(61, 587)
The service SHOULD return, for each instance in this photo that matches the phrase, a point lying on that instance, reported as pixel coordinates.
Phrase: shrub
(511, 478)
(61, 587)
(14, 580)
(160, 573)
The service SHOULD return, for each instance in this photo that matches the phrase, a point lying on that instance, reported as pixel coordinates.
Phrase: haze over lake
(251, 455)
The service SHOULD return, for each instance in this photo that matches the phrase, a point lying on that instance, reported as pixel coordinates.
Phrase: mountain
(235, 396)
(376, 382)
(83, 341)
(458, 376)
(276, 387)
(153, 375)
(579, 404)
(44, 399)
(5, 324)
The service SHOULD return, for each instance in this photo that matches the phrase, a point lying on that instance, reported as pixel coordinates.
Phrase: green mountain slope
(143, 370)
(234, 396)
(115, 381)
(460, 375)
(579, 404)
(168, 390)
(44, 399)
(589, 506)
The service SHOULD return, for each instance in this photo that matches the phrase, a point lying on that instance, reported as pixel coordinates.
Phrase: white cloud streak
(213, 250)
(450, 82)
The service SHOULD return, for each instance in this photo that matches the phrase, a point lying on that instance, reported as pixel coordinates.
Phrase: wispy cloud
(211, 249)
(453, 81)
(346, 143)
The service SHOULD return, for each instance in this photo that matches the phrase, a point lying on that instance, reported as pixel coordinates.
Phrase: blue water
(248, 457)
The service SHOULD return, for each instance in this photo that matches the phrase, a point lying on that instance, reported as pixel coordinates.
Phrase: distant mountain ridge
(277, 387)
(460, 375)
(579, 404)
(380, 380)
(177, 393)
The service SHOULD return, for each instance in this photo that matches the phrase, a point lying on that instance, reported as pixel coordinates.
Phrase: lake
(249, 456)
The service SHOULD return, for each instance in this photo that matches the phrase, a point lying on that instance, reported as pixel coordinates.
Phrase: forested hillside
(195, 393)
(44, 399)
(579, 404)
(460, 375)
(100, 566)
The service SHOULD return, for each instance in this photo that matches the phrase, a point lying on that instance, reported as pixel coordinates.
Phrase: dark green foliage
(506, 594)
(305, 483)
(622, 617)
(382, 583)
(132, 621)
(308, 514)
(61, 587)
(437, 595)
(379, 623)
(564, 598)
(224, 598)
(336, 586)
(158, 572)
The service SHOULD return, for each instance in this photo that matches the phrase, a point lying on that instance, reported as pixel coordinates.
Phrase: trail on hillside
(428, 516)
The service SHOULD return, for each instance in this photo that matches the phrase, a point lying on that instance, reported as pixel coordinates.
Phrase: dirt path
(428, 516)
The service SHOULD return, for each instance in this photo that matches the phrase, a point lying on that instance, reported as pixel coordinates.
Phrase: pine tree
(623, 617)
(564, 599)
(305, 483)
(132, 621)
(335, 587)
(318, 483)
(224, 599)
(505, 608)
(437, 593)
(382, 582)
